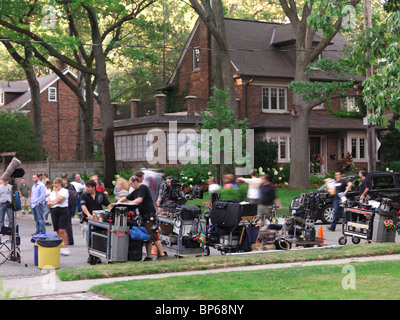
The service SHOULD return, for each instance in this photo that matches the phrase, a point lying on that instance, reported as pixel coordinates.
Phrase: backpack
(73, 195)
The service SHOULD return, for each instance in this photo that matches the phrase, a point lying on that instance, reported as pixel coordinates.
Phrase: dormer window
(52, 94)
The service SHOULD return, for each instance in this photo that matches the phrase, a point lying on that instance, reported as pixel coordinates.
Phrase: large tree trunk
(299, 111)
(87, 118)
(212, 14)
(104, 98)
(299, 163)
(223, 57)
(36, 105)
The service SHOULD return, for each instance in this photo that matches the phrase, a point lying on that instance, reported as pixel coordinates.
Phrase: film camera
(179, 197)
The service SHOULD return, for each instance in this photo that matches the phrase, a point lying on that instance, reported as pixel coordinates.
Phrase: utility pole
(371, 137)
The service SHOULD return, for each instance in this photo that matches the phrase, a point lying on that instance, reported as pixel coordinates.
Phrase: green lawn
(372, 280)
(220, 262)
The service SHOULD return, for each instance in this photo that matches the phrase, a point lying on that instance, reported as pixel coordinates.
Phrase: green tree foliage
(390, 143)
(381, 91)
(265, 154)
(17, 135)
(219, 116)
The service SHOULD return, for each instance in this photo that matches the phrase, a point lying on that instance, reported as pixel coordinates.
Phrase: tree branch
(290, 12)
(47, 46)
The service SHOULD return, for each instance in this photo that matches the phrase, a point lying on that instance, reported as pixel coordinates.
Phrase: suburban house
(61, 124)
(263, 62)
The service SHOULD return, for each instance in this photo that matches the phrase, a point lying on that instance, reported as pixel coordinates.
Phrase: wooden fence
(55, 168)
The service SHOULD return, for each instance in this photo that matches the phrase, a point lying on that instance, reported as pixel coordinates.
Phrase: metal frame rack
(173, 243)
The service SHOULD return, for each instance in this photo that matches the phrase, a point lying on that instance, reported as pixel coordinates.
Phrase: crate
(257, 247)
(99, 242)
(168, 240)
(119, 243)
(267, 247)
(166, 228)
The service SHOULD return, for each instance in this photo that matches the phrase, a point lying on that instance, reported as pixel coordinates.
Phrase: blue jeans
(78, 205)
(4, 208)
(337, 213)
(46, 211)
(38, 215)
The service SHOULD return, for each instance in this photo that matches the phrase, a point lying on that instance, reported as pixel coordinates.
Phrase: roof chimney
(60, 65)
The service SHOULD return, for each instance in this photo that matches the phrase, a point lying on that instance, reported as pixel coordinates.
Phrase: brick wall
(60, 123)
(196, 82)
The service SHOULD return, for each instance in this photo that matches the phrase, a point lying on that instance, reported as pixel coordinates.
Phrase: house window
(185, 146)
(274, 99)
(283, 141)
(2, 99)
(358, 148)
(196, 58)
(133, 147)
(355, 144)
(52, 94)
(349, 104)
(342, 147)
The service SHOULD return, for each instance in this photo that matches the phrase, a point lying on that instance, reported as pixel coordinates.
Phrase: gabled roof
(14, 86)
(22, 86)
(284, 35)
(256, 49)
(256, 56)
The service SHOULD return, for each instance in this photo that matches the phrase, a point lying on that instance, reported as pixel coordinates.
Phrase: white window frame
(196, 58)
(280, 137)
(52, 91)
(344, 138)
(131, 147)
(358, 138)
(348, 104)
(321, 106)
(277, 88)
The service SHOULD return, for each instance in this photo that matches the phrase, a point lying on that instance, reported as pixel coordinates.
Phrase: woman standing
(123, 188)
(253, 193)
(58, 203)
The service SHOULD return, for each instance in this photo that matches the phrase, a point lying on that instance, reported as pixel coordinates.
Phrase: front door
(317, 155)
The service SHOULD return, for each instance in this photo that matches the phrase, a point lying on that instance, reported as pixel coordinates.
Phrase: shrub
(316, 181)
(265, 154)
(197, 175)
(395, 166)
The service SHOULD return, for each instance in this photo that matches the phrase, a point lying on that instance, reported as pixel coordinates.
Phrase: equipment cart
(374, 222)
(177, 242)
(358, 225)
(107, 241)
(232, 242)
(229, 224)
(108, 234)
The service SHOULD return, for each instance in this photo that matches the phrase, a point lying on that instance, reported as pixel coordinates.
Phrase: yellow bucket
(49, 254)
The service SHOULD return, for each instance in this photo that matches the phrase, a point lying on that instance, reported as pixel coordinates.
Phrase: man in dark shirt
(268, 198)
(342, 186)
(93, 200)
(141, 196)
(364, 185)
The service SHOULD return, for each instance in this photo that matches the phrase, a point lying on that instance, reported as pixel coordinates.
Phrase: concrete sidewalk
(48, 284)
